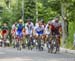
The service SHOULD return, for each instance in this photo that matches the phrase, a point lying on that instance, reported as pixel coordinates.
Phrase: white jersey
(37, 24)
(13, 27)
(47, 30)
(56, 24)
(29, 28)
(13, 31)
(37, 28)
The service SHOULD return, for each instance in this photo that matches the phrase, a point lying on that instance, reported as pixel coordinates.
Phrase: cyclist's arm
(60, 28)
(34, 30)
(7, 30)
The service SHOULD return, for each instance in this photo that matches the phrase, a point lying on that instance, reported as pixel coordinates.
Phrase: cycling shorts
(4, 32)
(39, 32)
(19, 33)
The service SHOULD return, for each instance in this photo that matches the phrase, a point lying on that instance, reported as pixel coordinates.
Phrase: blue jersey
(19, 30)
(20, 27)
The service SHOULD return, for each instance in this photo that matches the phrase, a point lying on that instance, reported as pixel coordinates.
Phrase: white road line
(16, 59)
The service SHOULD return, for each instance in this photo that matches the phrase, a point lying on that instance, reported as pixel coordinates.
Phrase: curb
(67, 50)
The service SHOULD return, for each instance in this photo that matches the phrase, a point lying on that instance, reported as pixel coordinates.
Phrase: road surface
(11, 54)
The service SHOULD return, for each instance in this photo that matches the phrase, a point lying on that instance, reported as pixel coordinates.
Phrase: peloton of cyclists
(21, 29)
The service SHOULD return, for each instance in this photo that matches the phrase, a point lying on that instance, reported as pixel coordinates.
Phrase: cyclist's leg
(20, 39)
(13, 39)
(37, 40)
(2, 40)
(17, 39)
(23, 41)
(58, 40)
(44, 37)
(4, 35)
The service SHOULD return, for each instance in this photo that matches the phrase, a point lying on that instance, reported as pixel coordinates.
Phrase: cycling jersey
(29, 28)
(4, 29)
(19, 30)
(39, 30)
(37, 24)
(13, 28)
(55, 27)
(47, 30)
(20, 27)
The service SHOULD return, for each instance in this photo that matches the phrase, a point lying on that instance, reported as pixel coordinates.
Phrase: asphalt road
(12, 54)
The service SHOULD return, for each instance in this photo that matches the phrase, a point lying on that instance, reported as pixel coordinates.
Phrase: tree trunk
(64, 24)
(36, 11)
(22, 9)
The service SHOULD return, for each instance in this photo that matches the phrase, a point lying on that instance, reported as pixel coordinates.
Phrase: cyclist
(43, 23)
(55, 29)
(13, 33)
(20, 27)
(5, 32)
(13, 30)
(39, 32)
(19, 32)
(44, 26)
(29, 26)
(47, 30)
(37, 23)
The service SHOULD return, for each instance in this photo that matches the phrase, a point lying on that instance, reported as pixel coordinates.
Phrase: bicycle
(49, 43)
(54, 44)
(30, 42)
(18, 43)
(40, 43)
(4, 38)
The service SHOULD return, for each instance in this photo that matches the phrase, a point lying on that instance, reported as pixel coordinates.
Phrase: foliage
(47, 10)
(69, 41)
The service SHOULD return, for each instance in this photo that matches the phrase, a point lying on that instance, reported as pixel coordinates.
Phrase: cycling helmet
(20, 20)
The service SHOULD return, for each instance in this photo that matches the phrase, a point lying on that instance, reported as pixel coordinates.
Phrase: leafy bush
(70, 39)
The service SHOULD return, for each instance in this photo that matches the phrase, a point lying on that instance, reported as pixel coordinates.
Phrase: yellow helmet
(20, 20)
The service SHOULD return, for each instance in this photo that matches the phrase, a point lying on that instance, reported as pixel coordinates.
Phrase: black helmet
(28, 20)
